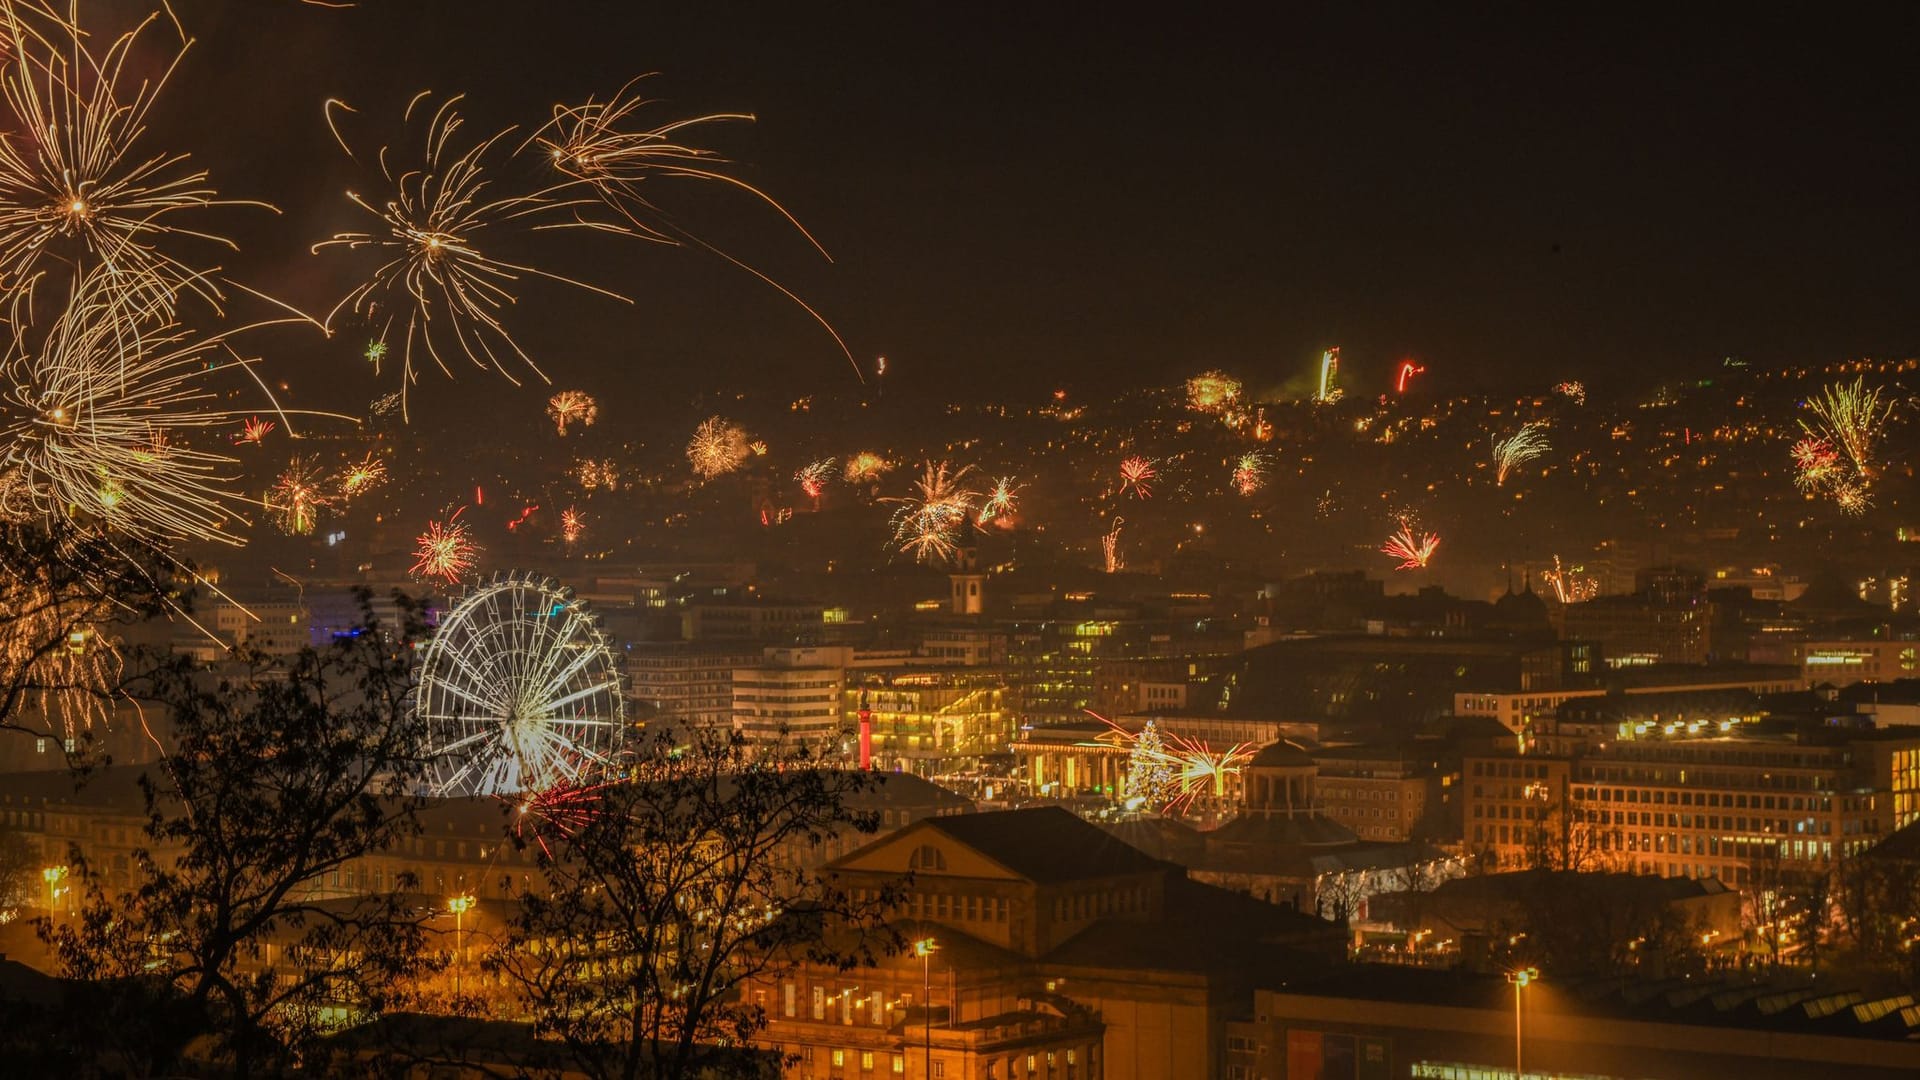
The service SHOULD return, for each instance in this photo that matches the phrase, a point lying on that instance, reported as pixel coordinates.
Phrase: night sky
(1019, 199)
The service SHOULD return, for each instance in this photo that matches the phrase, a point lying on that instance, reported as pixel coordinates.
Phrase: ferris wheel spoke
(476, 676)
(478, 736)
(490, 707)
(581, 694)
(587, 656)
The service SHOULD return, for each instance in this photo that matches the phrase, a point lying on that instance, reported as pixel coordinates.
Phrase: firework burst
(813, 477)
(1194, 768)
(572, 407)
(1525, 445)
(865, 467)
(448, 296)
(562, 807)
(1249, 473)
(362, 476)
(930, 522)
(999, 504)
(1135, 476)
(73, 186)
(95, 413)
(1816, 464)
(1852, 418)
(719, 446)
(296, 498)
(604, 146)
(1573, 390)
(444, 552)
(572, 525)
(254, 431)
(1409, 544)
(1213, 392)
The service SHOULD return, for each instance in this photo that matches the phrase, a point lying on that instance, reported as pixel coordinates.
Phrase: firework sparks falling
(1525, 445)
(1213, 392)
(444, 552)
(719, 446)
(929, 523)
(1329, 390)
(1412, 546)
(1249, 473)
(432, 227)
(572, 525)
(296, 498)
(1573, 390)
(1114, 560)
(813, 477)
(254, 431)
(598, 474)
(72, 184)
(1135, 476)
(998, 504)
(572, 407)
(865, 467)
(362, 476)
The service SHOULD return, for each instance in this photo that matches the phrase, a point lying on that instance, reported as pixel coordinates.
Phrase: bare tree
(682, 888)
(1567, 836)
(280, 777)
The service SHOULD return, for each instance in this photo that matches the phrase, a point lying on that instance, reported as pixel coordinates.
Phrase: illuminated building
(793, 693)
(1378, 793)
(931, 722)
(1055, 944)
(1667, 620)
(1843, 663)
(1089, 758)
(687, 682)
(1694, 805)
(1518, 710)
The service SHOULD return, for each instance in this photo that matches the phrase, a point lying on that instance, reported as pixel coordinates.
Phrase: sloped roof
(1046, 844)
(1902, 844)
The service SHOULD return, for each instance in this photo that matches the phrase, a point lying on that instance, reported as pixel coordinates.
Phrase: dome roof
(1522, 608)
(1282, 755)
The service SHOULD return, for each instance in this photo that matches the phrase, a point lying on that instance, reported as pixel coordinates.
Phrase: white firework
(519, 691)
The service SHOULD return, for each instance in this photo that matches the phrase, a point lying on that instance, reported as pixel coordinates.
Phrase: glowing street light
(459, 905)
(924, 949)
(1521, 979)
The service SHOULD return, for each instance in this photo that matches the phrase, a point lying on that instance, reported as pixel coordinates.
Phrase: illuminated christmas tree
(1149, 771)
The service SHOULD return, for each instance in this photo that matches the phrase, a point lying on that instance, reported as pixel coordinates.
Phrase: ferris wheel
(519, 691)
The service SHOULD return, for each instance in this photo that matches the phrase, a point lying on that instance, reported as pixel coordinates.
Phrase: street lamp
(459, 905)
(1521, 980)
(53, 876)
(924, 949)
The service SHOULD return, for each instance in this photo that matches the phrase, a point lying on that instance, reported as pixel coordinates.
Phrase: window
(820, 1003)
(927, 857)
(839, 1059)
(899, 1064)
(787, 999)
(866, 1061)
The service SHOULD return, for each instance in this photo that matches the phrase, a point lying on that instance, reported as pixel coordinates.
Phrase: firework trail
(719, 446)
(999, 503)
(1249, 473)
(1213, 392)
(572, 526)
(930, 521)
(73, 186)
(563, 807)
(813, 477)
(444, 552)
(865, 467)
(1569, 584)
(362, 476)
(1517, 449)
(603, 145)
(1114, 561)
(1573, 390)
(296, 498)
(448, 296)
(572, 407)
(95, 414)
(1410, 545)
(1135, 472)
